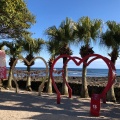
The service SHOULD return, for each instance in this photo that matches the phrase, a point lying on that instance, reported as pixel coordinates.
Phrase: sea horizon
(77, 72)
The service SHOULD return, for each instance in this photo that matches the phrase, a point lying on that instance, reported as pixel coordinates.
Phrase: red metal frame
(111, 67)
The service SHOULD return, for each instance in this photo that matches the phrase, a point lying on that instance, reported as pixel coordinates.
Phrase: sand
(28, 105)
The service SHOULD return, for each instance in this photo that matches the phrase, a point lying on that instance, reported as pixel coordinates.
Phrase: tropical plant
(86, 32)
(31, 46)
(64, 36)
(15, 19)
(14, 51)
(65, 50)
(111, 40)
(52, 49)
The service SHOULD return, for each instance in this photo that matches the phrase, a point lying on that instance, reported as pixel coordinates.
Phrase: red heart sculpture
(112, 74)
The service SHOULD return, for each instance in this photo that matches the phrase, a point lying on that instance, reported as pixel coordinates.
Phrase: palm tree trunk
(10, 77)
(28, 84)
(49, 84)
(111, 94)
(84, 89)
(64, 86)
(41, 87)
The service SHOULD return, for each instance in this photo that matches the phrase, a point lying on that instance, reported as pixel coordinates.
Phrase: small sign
(2, 64)
(94, 106)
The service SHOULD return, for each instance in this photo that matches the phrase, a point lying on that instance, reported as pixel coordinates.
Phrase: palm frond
(87, 29)
(111, 38)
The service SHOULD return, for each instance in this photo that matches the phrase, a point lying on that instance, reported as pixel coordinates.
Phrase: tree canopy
(111, 38)
(15, 19)
(88, 30)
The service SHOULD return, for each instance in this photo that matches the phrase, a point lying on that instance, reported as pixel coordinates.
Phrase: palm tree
(65, 50)
(31, 46)
(13, 50)
(84, 51)
(111, 40)
(64, 36)
(52, 49)
(86, 32)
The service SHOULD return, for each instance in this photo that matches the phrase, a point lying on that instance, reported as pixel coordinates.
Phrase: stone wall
(76, 87)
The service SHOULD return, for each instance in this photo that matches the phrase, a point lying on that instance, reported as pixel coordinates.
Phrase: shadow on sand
(75, 108)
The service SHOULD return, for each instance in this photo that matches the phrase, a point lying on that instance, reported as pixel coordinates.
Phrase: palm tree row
(70, 32)
(15, 50)
(85, 31)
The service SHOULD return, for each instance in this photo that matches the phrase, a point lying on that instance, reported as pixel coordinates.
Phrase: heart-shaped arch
(112, 74)
(29, 63)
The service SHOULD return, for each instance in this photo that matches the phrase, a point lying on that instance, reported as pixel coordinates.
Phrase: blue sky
(53, 12)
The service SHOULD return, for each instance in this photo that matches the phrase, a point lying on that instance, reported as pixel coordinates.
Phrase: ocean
(77, 72)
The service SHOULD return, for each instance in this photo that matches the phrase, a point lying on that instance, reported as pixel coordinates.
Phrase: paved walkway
(26, 105)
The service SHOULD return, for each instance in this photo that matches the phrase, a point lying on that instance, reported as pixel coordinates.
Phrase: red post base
(95, 105)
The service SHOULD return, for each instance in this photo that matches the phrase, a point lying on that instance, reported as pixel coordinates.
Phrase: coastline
(95, 85)
(72, 72)
(91, 81)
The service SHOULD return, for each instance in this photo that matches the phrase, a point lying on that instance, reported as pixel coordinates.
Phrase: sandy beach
(28, 105)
